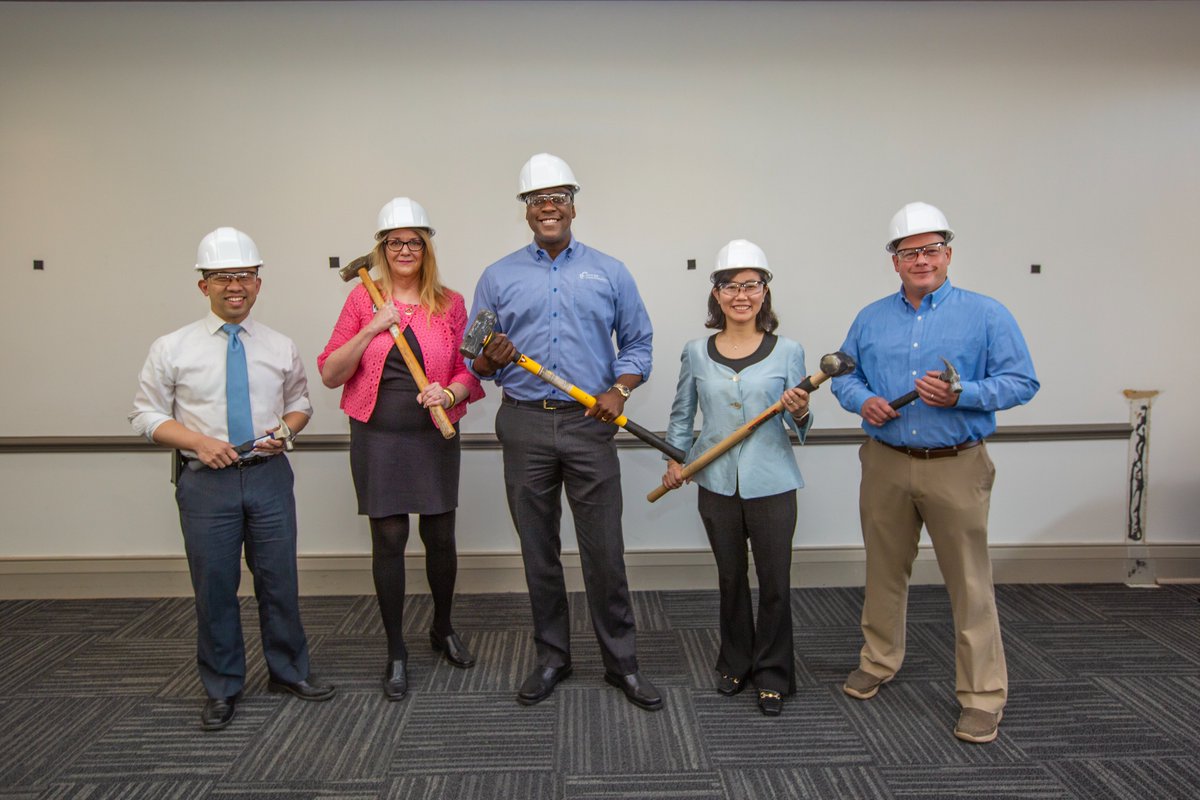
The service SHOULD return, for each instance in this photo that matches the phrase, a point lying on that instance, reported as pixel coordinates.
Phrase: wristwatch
(624, 390)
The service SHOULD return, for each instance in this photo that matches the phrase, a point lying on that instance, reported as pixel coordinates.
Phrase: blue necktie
(237, 388)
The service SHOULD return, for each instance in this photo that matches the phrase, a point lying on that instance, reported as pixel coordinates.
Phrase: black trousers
(762, 652)
(545, 451)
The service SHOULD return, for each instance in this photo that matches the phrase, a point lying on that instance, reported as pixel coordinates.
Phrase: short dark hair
(766, 321)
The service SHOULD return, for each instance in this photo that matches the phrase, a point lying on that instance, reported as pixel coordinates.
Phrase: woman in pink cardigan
(399, 460)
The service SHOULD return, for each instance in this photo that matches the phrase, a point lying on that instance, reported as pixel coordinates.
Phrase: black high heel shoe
(453, 650)
(395, 680)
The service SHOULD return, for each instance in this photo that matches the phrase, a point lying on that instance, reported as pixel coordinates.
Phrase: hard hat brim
(768, 276)
(946, 232)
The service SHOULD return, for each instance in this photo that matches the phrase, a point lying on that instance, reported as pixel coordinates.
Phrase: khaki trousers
(950, 496)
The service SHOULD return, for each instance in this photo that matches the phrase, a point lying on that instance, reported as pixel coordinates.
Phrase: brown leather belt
(936, 452)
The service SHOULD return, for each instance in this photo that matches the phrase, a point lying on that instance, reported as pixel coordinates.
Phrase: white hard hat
(225, 248)
(545, 171)
(917, 218)
(741, 254)
(401, 212)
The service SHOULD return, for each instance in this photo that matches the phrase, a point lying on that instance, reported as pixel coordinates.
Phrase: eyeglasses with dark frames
(413, 245)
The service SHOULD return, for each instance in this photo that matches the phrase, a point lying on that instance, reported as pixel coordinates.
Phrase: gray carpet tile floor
(99, 699)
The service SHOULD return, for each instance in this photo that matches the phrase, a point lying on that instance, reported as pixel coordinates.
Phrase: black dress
(399, 460)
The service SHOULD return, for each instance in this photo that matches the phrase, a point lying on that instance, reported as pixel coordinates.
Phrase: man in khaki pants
(926, 463)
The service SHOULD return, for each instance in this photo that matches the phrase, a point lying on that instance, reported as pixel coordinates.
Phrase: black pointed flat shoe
(729, 685)
(770, 703)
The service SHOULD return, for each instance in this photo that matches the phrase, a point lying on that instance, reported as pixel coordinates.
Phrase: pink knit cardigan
(439, 335)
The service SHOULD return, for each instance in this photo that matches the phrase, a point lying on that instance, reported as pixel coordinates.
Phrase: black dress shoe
(395, 680)
(453, 650)
(310, 688)
(540, 684)
(218, 712)
(771, 703)
(729, 685)
(638, 690)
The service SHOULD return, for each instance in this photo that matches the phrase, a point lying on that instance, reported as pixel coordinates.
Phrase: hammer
(282, 432)
(480, 333)
(949, 375)
(832, 365)
(358, 268)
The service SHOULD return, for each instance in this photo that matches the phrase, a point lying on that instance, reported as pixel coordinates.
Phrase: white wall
(1062, 134)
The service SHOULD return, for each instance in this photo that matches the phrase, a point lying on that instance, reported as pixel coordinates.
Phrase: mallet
(359, 268)
(480, 333)
(832, 365)
(949, 375)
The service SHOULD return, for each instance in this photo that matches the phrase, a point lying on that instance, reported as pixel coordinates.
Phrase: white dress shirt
(184, 379)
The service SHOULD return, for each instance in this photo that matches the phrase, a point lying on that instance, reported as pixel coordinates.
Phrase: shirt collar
(213, 323)
(539, 254)
(936, 299)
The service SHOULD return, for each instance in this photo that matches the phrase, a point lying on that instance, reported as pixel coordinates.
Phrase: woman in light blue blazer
(749, 493)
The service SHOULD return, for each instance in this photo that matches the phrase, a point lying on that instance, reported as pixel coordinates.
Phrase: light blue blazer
(762, 464)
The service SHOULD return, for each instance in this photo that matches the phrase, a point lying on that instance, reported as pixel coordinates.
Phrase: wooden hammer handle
(410, 358)
(719, 449)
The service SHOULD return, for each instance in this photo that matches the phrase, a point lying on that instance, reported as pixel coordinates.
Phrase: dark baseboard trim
(350, 573)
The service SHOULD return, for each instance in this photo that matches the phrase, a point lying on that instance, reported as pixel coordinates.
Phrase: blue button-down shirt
(894, 344)
(563, 313)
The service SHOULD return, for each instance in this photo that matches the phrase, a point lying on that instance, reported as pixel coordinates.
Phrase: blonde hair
(433, 297)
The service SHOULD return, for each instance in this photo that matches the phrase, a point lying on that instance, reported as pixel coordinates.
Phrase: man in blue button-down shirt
(561, 302)
(926, 462)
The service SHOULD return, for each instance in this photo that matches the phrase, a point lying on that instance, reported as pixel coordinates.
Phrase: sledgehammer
(832, 365)
(480, 333)
(359, 268)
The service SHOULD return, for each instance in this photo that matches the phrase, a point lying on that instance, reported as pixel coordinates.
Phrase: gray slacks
(545, 451)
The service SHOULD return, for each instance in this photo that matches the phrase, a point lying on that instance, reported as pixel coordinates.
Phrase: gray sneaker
(978, 726)
(862, 685)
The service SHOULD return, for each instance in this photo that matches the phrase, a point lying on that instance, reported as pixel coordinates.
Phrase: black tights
(389, 535)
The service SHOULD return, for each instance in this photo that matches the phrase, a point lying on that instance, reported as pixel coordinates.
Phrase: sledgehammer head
(478, 334)
(835, 364)
(350, 271)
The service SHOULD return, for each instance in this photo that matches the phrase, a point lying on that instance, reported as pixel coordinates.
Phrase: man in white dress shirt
(205, 389)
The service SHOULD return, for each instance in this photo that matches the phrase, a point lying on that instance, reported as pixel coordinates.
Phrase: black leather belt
(241, 463)
(936, 452)
(549, 404)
